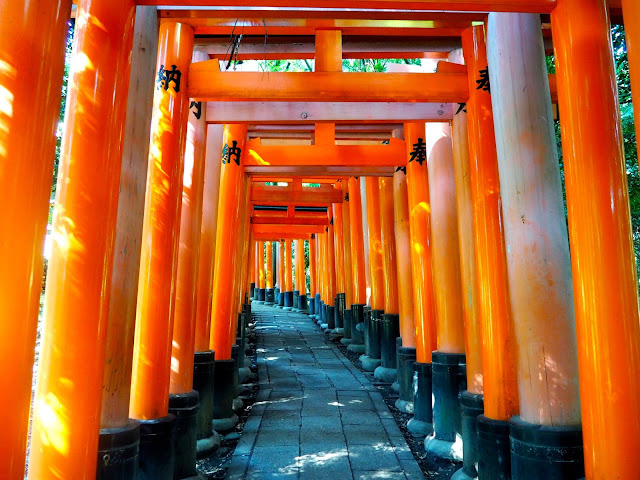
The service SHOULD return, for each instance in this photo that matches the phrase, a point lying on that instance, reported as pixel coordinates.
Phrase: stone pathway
(316, 415)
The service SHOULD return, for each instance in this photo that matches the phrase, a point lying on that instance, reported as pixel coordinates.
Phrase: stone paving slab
(316, 415)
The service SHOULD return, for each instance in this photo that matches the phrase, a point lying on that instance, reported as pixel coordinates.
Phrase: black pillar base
(494, 460)
(375, 334)
(347, 323)
(157, 455)
(269, 296)
(118, 452)
(340, 306)
(422, 422)
(203, 378)
(280, 298)
(224, 419)
(540, 452)
(296, 294)
(303, 307)
(312, 306)
(357, 328)
(396, 385)
(277, 294)
(316, 306)
(406, 358)
(288, 300)
(366, 326)
(330, 317)
(389, 332)
(184, 406)
(235, 355)
(261, 295)
(252, 290)
(472, 405)
(322, 313)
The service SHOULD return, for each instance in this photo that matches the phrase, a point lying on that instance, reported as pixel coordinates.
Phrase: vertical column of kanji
(390, 322)
(281, 280)
(312, 274)
(604, 277)
(406, 349)
(183, 399)
(448, 362)
(357, 266)
(538, 260)
(346, 300)
(424, 314)
(371, 359)
(631, 10)
(226, 266)
(338, 242)
(64, 439)
(31, 52)
(158, 264)
(118, 434)
(498, 341)
(288, 276)
(261, 278)
(471, 400)
(268, 294)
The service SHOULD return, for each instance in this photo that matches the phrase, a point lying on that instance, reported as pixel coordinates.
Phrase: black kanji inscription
(462, 107)
(231, 153)
(165, 77)
(419, 152)
(198, 109)
(402, 169)
(483, 83)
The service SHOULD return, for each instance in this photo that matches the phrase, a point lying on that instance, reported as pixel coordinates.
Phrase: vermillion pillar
(471, 400)
(357, 267)
(288, 276)
(261, 274)
(227, 264)
(365, 236)
(118, 435)
(338, 247)
(281, 285)
(390, 322)
(32, 53)
(312, 275)
(631, 10)
(269, 294)
(331, 273)
(253, 272)
(158, 265)
(406, 354)
(498, 341)
(448, 362)
(322, 256)
(256, 278)
(371, 359)
(604, 278)
(424, 314)
(348, 268)
(66, 417)
(301, 279)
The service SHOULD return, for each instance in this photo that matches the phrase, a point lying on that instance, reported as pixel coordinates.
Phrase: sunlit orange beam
(275, 231)
(205, 83)
(319, 170)
(290, 221)
(310, 196)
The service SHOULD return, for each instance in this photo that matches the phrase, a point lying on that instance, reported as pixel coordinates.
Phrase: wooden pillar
(158, 265)
(376, 269)
(338, 242)
(66, 416)
(269, 275)
(331, 264)
(116, 388)
(280, 277)
(604, 276)
(388, 240)
(232, 194)
(261, 275)
(32, 51)
(204, 291)
(365, 237)
(300, 280)
(631, 10)
(289, 266)
(312, 266)
(498, 342)
(420, 228)
(346, 246)
(357, 243)
(239, 279)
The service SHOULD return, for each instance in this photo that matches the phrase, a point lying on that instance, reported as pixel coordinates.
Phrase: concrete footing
(386, 375)
(406, 358)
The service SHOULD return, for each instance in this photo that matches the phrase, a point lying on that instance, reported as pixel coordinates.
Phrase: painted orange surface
(631, 11)
(357, 243)
(498, 341)
(228, 261)
(300, 275)
(338, 244)
(66, 416)
(269, 276)
(288, 266)
(402, 220)
(469, 291)
(388, 241)
(375, 244)
(604, 277)
(420, 238)
(444, 234)
(312, 265)
(280, 278)
(32, 54)
(331, 265)
(346, 245)
(239, 283)
(261, 272)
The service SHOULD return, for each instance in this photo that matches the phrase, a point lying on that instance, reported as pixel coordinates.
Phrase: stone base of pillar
(389, 333)
(320, 312)
(294, 306)
(157, 455)
(493, 449)
(375, 334)
(422, 422)
(449, 380)
(303, 306)
(288, 300)
(347, 325)
(369, 364)
(340, 306)
(269, 296)
(118, 452)
(472, 405)
(252, 290)
(184, 406)
(316, 306)
(236, 355)
(406, 358)
(312, 306)
(261, 295)
(330, 319)
(280, 299)
(357, 328)
(385, 375)
(540, 452)
(203, 378)
(224, 391)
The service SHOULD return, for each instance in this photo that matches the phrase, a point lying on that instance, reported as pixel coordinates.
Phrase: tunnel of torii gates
(438, 246)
